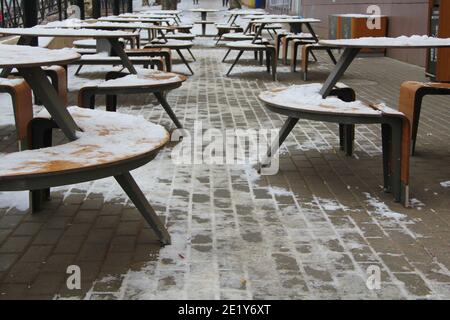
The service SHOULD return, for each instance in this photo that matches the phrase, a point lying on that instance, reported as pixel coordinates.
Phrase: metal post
(60, 9)
(96, 9)
(130, 6)
(116, 7)
(30, 16)
(80, 5)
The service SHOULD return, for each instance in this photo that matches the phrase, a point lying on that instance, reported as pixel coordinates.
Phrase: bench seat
(109, 140)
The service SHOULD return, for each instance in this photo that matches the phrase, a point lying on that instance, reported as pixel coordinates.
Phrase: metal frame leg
(136, 195)
(184, 61)
(168, 109)
(192, 55)
(235, 61)
(226, 55)
(282, 135)
(342, 65)
(119, 51)
(44, 90)
(78, 69)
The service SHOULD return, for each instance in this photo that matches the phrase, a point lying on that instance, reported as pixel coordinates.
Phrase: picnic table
(395, 138)
(174, 17)
(107, 41)
(234, 14)
(294, 23)
(91, 152)
(203, 15)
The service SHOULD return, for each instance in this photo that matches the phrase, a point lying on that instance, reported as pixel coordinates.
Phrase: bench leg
(185, 61)
(168, 109)
(235, 61)
(415, 122)
(282, 135)
(78, 69)
(136, 195)
(226, 55)
(386, 139)
(192, 55)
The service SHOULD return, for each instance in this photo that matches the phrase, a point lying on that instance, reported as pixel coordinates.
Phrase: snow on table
(39, 31)
(415, 41)
(73, 23)
(144, 77)
(247, 44)
(237, 35)
(107, 137)
(308, 98)
(286, 20)
(171, 43)
(13, 55)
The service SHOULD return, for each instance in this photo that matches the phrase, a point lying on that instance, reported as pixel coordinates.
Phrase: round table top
(65, 32)
(160, 12)
(96, 25)
(307, 99)
(132, 19)
(404, 42)
(239, 12)
(145, 78)
(289, 20)
(268, 16)
(26, 56)
(153, 16)
(203, 10)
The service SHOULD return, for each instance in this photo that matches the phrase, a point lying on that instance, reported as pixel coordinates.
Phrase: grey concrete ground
(310, 231)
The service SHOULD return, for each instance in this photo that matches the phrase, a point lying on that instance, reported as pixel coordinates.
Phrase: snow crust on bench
(11, 82)
(145, 77)
(307, 97)
(238, 35)
(171, 43)
(24, 55)
(107, 137)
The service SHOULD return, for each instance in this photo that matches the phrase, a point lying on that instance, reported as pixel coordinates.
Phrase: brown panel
(443, 65)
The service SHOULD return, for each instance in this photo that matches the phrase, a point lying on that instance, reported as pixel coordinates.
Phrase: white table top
(268, 16)
(160, 12)
(153, 16)
(245, 12)
(131, 19)
(203, 10)
(289, 20)
(66, 32)
(26, 56)
(383, 42)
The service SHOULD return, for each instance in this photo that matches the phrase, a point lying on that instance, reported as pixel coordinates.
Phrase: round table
(107, 41)
(29, 61)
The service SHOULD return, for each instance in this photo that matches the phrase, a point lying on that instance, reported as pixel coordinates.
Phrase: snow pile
(445, 184)
(308, 97)
(17, 55)
(106, 137)
(382, 209)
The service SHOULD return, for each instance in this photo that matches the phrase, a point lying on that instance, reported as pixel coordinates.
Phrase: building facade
(406, 17)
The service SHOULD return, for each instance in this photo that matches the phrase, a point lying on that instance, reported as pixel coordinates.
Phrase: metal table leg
(342, 65)
(184, 61)
(118, 49)
(136, 195)
(46, 93)
(168, 109)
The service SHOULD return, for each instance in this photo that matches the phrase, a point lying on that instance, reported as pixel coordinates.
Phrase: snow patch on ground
(381, 208)
(445, 184)
(17, 199)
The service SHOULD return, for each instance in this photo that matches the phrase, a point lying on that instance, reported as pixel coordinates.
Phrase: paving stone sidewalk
(311, 231)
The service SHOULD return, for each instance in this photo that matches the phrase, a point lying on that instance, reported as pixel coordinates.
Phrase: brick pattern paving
(311, 231)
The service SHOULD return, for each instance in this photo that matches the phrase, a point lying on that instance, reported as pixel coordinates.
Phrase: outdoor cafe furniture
(251, 45)
(307, 49)
(234, 14)
(203, 15)
(146, 81)
(176, 45)
(107, 41)
(410, 102)
(312, 104)
(162, 14)
(101, 144)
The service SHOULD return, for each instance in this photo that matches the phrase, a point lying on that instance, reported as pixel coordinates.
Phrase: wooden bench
(146, 81)
(307, 49)
(262, 47)
(305, 102)
(176, 45)
(285, 41)
(296, 43)
(410, 102)
(22, 103)
(110, 144)
(102, 59)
